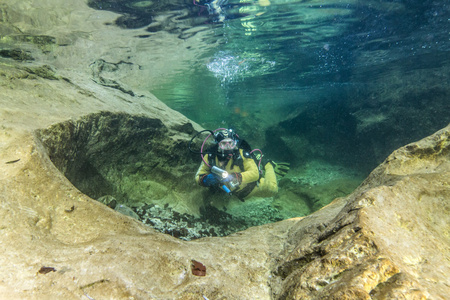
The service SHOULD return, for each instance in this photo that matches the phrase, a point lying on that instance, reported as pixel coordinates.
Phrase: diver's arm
(202, 171)
(251, 172)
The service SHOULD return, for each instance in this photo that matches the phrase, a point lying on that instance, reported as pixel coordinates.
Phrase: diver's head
(227, 142)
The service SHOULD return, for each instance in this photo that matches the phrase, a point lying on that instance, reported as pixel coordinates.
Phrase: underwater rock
(363, 125)
(101, 73)
(388, 241)
(125, 210)
(16, 54)
(108, 200)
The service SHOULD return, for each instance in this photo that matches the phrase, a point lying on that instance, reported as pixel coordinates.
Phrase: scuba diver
(230, 164)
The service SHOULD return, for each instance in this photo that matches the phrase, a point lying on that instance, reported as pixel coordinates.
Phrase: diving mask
(227, 144)
(226, 148)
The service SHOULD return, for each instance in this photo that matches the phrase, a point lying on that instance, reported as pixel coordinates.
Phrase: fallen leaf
(198, 269)
(45, 270)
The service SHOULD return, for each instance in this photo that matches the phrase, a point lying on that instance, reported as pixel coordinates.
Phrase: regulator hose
(201, 150)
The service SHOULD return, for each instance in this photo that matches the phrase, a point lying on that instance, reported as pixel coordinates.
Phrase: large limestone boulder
(389, 241)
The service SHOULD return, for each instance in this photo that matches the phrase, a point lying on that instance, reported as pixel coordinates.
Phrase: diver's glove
(236, 178)
(280, 169)
(209, 180)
